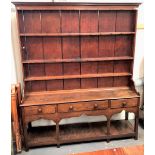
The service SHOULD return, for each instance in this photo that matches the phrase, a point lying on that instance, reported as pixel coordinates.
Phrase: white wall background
(139, 51)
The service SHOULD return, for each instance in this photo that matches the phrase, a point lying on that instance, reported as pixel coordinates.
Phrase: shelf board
(94, 131)
(73, 34)
(39, 78)
(43, 135)
(78, 60)
(79, 132)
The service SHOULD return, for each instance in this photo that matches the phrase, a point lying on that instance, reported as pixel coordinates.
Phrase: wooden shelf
(75, 76)
(78, 60)
(73, 34)
(73, 132)
(38, 135)
(94, 131)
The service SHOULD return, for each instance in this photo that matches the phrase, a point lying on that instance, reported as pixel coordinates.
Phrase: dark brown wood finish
(77, 59)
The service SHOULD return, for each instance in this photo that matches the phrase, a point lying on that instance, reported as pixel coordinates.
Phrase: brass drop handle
(71, 107)
(124, 104)
(39, 110)
(23, 48)
(95, 105)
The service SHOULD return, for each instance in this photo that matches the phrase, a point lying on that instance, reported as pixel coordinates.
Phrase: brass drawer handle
(39, 110)
(23, 48)
(95, 106)
(124, 104)
(71, 107)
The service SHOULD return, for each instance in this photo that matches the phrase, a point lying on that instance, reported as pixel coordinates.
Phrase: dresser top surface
(78, 95)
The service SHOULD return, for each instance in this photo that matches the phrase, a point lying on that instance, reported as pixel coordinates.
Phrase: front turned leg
(126, 115)
(29, 125)
(25, 138)
(108, 129)
(136, 125)
(57, 134)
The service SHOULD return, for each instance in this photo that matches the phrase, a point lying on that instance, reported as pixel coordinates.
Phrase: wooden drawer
(83, 106)
(34, 110)
(124, 103)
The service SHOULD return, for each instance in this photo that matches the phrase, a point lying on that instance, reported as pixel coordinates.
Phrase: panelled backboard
(74, 49)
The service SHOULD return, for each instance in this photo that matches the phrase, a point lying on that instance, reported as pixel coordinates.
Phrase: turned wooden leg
(25, 137)
(126, 115)
(137, 121)
(57, 134)
(29, 125)
(136, 125)
(108, 129)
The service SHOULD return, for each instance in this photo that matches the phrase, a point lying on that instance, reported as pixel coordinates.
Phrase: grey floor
(85, 147)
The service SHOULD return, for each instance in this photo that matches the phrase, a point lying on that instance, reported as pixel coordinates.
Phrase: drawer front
(124, 103)
(83, 106)
(34, 110)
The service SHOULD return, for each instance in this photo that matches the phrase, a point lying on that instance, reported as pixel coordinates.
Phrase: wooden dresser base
(109, 104)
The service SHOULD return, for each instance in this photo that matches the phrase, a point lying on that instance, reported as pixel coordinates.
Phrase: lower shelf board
(82, 131)
(79, 132)
(95, 131)
(43, 135)
(121, 128)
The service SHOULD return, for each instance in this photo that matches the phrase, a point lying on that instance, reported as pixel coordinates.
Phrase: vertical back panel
(54, 85)
(32, 21)
(32, 86)
(125, 21)
(28, 86)
(72, 84)
(105, 82)
(52, 47)
(105, 67)
(34, 48)
(121, 81)
(89, 21)
(122, 66)
(70, 24)
(54, 69)
(21, 21)
(71, 68)
(71, 50)
(52, 50)
(71, 47)
(36, 70)
(89, 49)
(89, 68)
(89, 83)
(70, 21)
(38, 85)
(106, 46)
(24, 52)
(107, 21)
(123, 46)
(50, 21)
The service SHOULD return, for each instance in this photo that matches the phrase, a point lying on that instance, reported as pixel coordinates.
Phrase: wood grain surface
(134, 150)
(77, 59)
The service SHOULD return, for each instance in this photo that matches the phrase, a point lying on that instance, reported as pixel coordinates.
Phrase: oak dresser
(77, 59)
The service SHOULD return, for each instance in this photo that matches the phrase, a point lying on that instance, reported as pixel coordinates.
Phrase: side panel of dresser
(15, 118)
